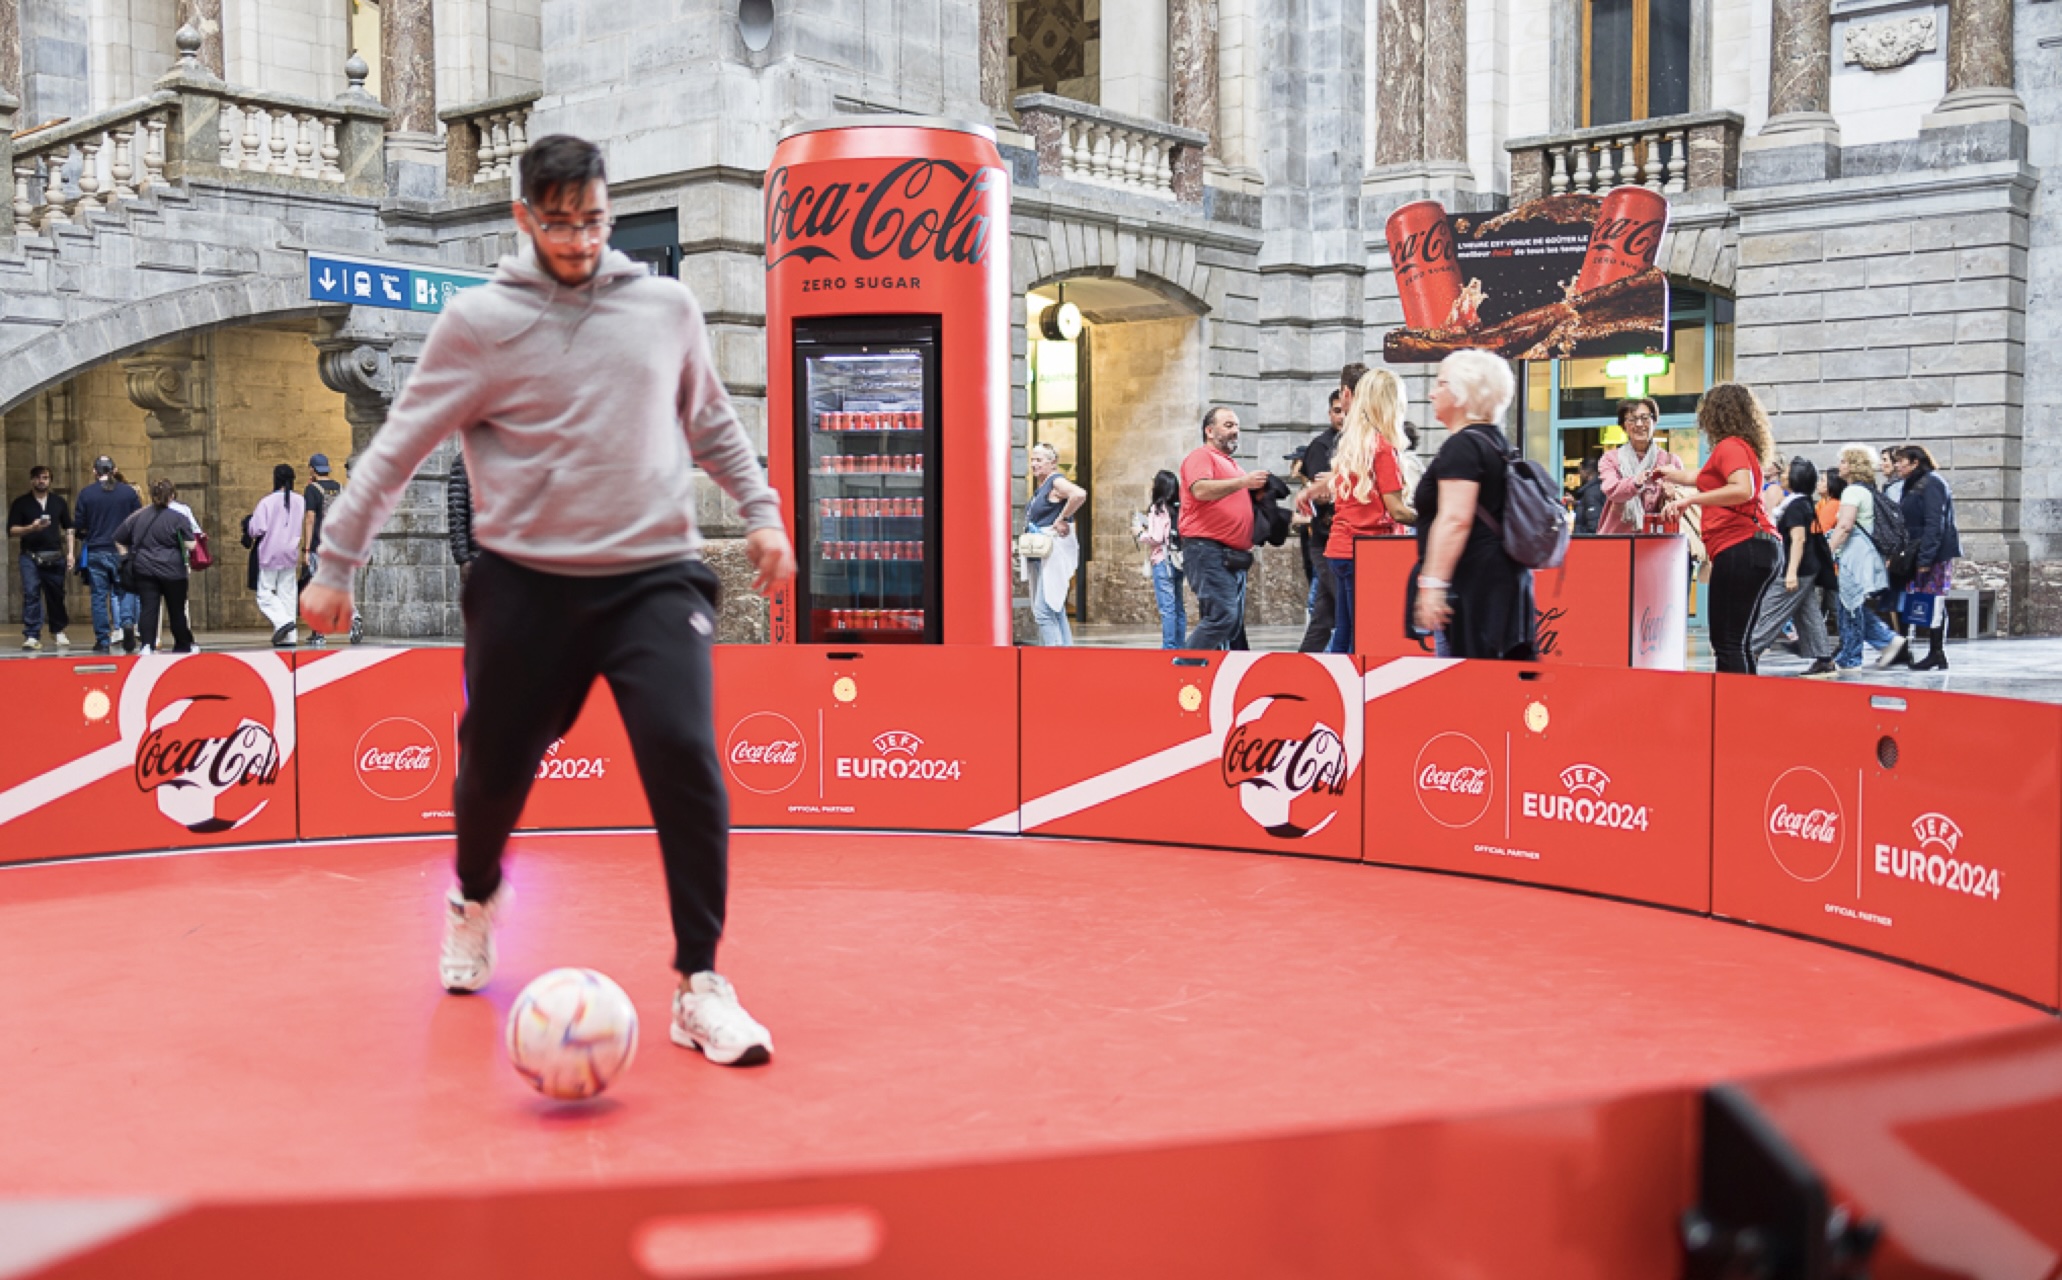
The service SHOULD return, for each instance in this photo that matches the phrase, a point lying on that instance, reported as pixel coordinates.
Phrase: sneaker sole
(756, 1055)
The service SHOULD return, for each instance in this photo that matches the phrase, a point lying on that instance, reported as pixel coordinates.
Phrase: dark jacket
(1270, 518)
(458, 512)
(1589, 505)
(1929, 517)
(152, 536)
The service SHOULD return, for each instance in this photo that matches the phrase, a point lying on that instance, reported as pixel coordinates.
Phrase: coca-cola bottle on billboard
(1626, 239)
(1421, 254)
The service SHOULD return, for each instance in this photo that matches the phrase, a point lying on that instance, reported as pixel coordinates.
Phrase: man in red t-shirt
(1217, 532)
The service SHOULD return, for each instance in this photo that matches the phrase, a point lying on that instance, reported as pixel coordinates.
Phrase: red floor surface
(266, 1023)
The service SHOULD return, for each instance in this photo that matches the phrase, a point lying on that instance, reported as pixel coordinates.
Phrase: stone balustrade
(1670, 154)
(1081, 142)
(483, 141)
(61, 174)
(281, 135)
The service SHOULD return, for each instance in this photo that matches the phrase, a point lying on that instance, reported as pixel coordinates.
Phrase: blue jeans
(1853, 622)
(1167, 594)
(1220, 595)
(39, 585)
(100, 572)
(1342, 608)
(1053, 631)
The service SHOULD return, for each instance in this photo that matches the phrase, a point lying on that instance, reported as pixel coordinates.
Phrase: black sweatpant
(171, 592)
(1739, 575)
(534, 643)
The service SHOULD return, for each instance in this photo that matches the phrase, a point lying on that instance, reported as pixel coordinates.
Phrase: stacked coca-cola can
(899, 420)
(877, 619)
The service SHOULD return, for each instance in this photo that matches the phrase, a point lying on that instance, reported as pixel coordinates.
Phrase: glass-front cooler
(866, 450)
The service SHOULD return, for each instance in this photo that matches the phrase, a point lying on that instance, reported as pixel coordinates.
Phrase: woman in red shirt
(1737, 534)
(1367, 488)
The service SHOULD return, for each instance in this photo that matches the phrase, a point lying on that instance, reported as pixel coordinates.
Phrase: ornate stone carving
(356, 366)
(1885, 46)
(157, 383)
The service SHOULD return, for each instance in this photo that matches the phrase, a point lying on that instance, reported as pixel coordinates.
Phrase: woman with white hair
(1054, 500)
(1464, 583)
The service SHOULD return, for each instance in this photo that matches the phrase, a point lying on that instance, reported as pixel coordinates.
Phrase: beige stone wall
(287, 46)
(131, 46)
(1146, 380)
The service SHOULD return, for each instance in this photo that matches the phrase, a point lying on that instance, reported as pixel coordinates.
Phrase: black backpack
(1892, 539)
(1534, 528)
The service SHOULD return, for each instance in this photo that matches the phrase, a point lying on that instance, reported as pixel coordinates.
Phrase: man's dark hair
(1350, 376)
(557, 163)
(1338, 394)
(38, 470)
(1803, 477)
(1210, 416)
(282, 477)
(1626, 407)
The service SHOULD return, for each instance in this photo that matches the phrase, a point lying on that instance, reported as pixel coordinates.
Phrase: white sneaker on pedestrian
(1890, 652)
(468, 956)
(63, 641)
(31, 643)
(708, 1017)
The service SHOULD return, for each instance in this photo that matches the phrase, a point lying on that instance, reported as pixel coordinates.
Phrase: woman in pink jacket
(1631, 473)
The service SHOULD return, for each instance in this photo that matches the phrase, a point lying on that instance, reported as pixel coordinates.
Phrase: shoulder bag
(1034, 545)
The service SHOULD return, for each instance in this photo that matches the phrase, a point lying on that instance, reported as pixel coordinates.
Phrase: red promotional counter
(1567, 776)
(1617, 601)
(887, 380)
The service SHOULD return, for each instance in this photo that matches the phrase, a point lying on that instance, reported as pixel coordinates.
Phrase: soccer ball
(571, 1033)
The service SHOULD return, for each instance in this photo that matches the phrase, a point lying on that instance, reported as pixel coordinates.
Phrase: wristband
(1427, 584)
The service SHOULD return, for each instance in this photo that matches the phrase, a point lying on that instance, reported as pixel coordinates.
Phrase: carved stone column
(1446, 81)
(1399, 82)
(1192, 91)
(170, 384)
(1800, 142)
(1979, 71)
(408, 85)
(10, 48)
(204, 16)
(995, 57)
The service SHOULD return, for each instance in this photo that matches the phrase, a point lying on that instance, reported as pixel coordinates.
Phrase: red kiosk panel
(379, 741)
(882, 736)
(1567, 776)
(1240, 750)
(159, 752)
(1915, 824)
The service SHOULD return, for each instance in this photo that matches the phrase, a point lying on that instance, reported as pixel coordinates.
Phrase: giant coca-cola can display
(888, 379)
(1421, 253)
(1626, 239)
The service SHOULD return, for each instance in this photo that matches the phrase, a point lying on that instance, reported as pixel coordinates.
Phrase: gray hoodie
(583, 412)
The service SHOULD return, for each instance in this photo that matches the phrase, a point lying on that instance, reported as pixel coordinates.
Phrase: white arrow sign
(328, 281)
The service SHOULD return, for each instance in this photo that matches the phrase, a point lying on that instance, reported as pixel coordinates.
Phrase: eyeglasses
(1640, 417)
(569, 232)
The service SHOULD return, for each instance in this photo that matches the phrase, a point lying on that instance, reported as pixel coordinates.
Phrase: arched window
(1635, 60)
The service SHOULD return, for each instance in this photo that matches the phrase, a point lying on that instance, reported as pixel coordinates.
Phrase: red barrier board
(379, 740)
(1578, 778)
(876, 736)
(162, 752)
(1241, 750)
(588, 778)
(1614, 602)
(1915, 824)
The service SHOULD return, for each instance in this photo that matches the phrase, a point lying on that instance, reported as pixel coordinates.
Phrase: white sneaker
(1890, 652)
(468, 957)
(31, 643)
(63, 641)
(708, 1017)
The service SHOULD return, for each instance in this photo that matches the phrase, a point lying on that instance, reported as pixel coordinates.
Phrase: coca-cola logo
(919, 209)
(1636, 239)
(1804, 825)
(1289, 729)
(1651, 629)
(198, 755)
(1454, 781)
(397, 759)
(765, 753)
(1416, 250)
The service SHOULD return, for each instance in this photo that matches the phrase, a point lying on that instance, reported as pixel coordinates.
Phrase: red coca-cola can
(1627, 237)
(1421, 253)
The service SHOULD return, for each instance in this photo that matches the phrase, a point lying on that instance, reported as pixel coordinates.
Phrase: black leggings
(172, 591)
(534, 643)
(1739, 575)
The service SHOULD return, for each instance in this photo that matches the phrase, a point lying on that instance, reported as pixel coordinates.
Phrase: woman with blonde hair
(1464, 584)
(1862, 572)
(1366, 488)
(1738, 535)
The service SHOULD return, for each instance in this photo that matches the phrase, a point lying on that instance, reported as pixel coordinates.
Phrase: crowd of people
(1782, 548)
(137, 555)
